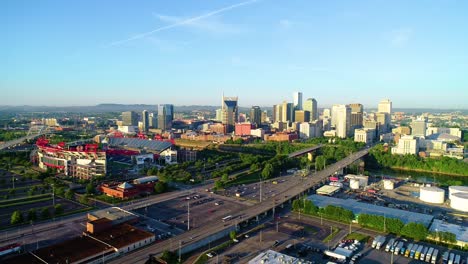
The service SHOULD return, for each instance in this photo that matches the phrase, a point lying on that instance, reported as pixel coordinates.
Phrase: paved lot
(204, 207)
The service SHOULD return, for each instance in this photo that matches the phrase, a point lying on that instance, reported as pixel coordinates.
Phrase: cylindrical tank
(354, 184)
(457, 189)
(388, 184)
(459, 201)
(432, 195)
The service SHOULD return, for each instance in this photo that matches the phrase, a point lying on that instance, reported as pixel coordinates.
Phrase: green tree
(218, 185)
(169, 257)
(32, 215)
(16, 217)
(45, 213)
(58, 209)
(69, 194)
(267, 172)
(90, 188)
(160, 187)
(416, 231)
(232, 234)
(83, 199)
(225, 177)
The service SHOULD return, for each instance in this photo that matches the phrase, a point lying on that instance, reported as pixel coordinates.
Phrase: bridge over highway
(304, 151)
(34, 132)
(199, 237)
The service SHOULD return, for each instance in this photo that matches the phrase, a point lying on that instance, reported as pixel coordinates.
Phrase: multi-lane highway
(209, 228)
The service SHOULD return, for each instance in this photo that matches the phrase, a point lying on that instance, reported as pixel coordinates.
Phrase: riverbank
(427, 171)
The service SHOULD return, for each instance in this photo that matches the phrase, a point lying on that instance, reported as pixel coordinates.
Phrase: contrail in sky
(183, 22)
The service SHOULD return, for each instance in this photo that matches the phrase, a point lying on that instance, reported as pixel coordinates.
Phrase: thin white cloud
(183, 22)
(401, 36)
(285, 23)
(211, 24)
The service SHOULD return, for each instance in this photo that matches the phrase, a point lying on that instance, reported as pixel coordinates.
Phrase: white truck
(378, 241)
(429, 255)
(434, 256)
(423, 253)
(389, 245)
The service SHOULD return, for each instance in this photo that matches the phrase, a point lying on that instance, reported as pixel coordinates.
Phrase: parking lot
(203, 207)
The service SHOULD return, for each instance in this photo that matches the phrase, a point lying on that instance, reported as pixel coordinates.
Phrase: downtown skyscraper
(229, 112)
(165, 116)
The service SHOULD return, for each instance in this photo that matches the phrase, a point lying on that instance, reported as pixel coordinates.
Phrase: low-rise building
(406, 145)
(365, 135)
(273, 257)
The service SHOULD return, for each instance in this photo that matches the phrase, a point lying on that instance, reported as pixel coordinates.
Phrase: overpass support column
(310, 156)
(257, 218)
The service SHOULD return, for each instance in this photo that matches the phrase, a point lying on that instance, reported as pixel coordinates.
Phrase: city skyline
(60, 54)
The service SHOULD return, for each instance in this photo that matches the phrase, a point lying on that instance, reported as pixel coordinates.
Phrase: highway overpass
(304, 151)
(34, 132)
(199, 237)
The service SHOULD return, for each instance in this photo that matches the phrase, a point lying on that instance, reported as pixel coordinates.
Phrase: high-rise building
(264, 117)
(357, 111)
(301, 116)
(129, 118)
(153, 120)
(229, 113)
(342, 114)
(419, 127)
(256, 115)
(165, 116)
(297, 101)
(384, 122)
(145, 120)
(219, 115)
(385, 106)
(277, 113)
(287, 112)
(311, 105)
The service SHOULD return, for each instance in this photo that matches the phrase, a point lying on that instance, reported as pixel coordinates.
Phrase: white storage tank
(432, 195)
(354, 184)
(457, 189)
(388, 184)
(459, 201)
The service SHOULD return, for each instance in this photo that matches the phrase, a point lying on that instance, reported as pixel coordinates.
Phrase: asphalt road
(215, 226)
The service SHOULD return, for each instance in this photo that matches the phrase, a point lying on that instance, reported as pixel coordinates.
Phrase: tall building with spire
(229, 112)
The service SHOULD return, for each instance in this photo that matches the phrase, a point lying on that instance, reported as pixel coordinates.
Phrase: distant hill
(100, 108)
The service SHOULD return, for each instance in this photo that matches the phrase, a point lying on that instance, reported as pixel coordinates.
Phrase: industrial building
(83, 161)
(357, 181)
(108, 235)
(461, 232)
(365, 208)
(459, 201)
(432, 195)
(457, 189)
(125, 190)
(273, 257)
(328, 190)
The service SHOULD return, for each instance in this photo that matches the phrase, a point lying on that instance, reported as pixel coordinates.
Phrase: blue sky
(191, 51)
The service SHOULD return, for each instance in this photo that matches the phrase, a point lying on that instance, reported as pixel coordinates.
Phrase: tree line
(416, 231)
(380, 158)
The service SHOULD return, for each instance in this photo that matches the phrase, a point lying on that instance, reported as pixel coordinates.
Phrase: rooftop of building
(137, 143)
(327, 189)
(100, 221)
(442, 137)
(122, 235)
(461, 232)
(273, 257)
(146, 179)
(365, 208)
(113, 214)
(72, 250)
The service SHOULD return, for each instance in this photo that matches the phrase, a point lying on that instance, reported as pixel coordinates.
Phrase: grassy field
(245, 178)
(335, 231)
(192, 143)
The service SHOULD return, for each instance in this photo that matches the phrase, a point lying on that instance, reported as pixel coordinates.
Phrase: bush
(16, 217)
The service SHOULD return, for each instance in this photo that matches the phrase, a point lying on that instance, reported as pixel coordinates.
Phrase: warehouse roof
(365, 208)
(137, 143)
(461, 232)
(122, 235)
(327, 190)
(273, 257)
(114, 214)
